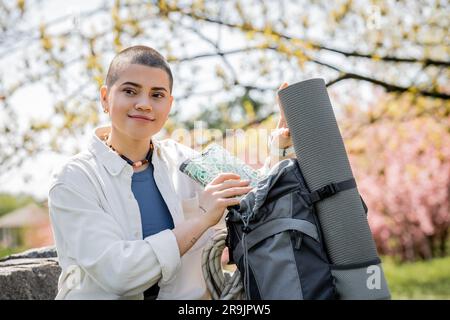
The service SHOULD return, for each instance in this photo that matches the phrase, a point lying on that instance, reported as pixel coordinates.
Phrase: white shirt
(98, 232)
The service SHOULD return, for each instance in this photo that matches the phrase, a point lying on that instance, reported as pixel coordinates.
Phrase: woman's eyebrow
(137, 85)
(159, 88)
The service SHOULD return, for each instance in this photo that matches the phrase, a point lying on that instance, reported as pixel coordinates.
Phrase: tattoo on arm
(193, 240)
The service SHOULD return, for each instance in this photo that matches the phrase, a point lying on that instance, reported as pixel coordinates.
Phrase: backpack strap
(271, 228)
(364, 205)
(330, 190)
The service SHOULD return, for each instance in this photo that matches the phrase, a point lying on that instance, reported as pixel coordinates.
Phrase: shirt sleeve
(95, 240)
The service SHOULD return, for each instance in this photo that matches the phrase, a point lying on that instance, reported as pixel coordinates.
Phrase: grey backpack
(274, 238)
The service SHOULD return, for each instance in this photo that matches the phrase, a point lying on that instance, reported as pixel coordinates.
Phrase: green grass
(4, 252)
(418, 280)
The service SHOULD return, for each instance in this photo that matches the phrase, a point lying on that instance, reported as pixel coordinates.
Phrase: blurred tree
(403, 173)
(10, 202)
(232, 54)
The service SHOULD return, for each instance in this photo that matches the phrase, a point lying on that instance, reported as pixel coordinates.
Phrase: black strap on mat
(330, 190)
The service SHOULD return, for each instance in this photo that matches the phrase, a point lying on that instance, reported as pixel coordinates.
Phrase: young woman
(127, 223)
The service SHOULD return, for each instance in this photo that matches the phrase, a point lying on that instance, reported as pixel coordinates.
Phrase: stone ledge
(44, 252)
(31, 275)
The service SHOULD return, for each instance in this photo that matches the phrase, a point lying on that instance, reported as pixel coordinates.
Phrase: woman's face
(139, 101)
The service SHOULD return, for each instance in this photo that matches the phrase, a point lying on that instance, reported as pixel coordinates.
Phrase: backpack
(275, 240)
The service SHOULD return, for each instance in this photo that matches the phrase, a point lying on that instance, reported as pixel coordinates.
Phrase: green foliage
(10, 202)
(419, 280)
(235, 113)
(4, 252)
(395, 46)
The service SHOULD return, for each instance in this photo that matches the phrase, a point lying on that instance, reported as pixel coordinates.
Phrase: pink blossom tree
(403, 174)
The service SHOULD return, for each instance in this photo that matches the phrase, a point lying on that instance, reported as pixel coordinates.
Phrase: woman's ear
(170, 104)
(104, 98)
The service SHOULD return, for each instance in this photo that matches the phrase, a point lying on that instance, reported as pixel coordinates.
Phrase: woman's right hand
(221, 193)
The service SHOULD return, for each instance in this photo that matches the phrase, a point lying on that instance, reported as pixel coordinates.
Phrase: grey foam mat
(355, 284)
(323, 159)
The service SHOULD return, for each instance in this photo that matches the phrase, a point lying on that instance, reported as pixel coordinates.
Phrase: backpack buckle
(327, 191)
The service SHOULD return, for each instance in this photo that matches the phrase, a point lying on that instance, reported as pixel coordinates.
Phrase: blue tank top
(155, 215)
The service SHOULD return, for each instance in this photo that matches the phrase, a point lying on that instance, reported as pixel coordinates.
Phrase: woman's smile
(141, 118)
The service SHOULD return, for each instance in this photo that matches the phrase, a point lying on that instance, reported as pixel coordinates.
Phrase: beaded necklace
(134, 164)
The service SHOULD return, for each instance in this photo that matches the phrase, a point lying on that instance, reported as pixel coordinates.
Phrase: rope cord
(222, 285)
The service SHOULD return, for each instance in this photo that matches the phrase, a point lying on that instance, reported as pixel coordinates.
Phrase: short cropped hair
(142, 55)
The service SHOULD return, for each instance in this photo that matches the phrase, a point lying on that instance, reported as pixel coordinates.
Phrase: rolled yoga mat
(323, 160)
